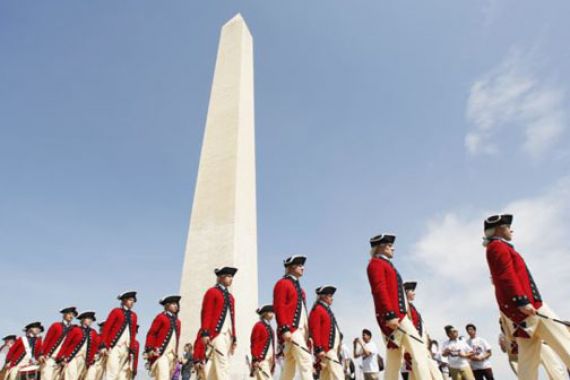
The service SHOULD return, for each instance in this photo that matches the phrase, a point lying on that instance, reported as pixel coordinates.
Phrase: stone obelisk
(223, 224)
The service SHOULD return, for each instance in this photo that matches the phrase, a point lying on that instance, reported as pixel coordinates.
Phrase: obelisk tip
(238, 18)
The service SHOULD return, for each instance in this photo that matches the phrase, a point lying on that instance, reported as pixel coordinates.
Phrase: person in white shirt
(368, 350)
(440, 360)
(458, 353)
(480, 363)
(347, 363)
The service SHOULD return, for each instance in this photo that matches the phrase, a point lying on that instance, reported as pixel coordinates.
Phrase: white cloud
(511, 97)
(453, 273)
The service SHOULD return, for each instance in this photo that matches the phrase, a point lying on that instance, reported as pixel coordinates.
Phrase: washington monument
(223, 223)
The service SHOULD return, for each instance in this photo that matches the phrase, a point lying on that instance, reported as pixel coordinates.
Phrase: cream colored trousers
(50, 370)
(95, 371)
(76, 366)
(419, 352)
(550, 362)
(117, 367)
(219, 365)
(163, 367)
(331, 370)
(295, 356)
(554, 334)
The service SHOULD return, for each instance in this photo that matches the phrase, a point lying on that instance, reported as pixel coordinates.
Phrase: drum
(31, 372)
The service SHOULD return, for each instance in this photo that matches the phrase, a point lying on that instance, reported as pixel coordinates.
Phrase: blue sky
(370, 116)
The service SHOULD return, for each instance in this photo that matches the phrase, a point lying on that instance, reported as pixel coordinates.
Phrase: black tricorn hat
(264, 309)
(102, 323)
(34, 324)
(87, 314)
(9, 337)
(325, 290)
(225, 271)
(70, 309)
(498, 220)
(294, 260)
(382, 239)
(127, 294)
(169, 299)
(410, 285)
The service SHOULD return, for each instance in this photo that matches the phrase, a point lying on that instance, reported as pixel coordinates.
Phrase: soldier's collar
(503, 240)
(291, 277)
(221, 286)
(383, 257)
(323, 303)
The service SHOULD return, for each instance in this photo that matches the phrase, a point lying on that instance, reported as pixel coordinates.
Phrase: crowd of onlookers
(458, 357)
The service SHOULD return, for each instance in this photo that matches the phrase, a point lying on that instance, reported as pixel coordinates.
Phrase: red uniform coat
(513, 282)
(55, 335)
(74, 341)
(288, 301)
(262, 337)
(416, 318)
(165, 326)
(118, 320)
(17, 352)
(217, 303)
(322, 327)
(387, 291)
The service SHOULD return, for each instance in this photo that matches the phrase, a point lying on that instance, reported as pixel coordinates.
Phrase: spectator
(458, 352)
(364, 347)
(347, 363)
(187, 360)
(480, 363)
(440, 360)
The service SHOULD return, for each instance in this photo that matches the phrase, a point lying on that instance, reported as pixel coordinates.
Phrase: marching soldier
(520, 301)
(25, 351)
(416, 318)
(52, 342)
(263, 344)
(292, 320)
(119, 335)
(326, 335)
(391, 311)
(78, 350)
(217, 331)
(97, 368)
(161, 345)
